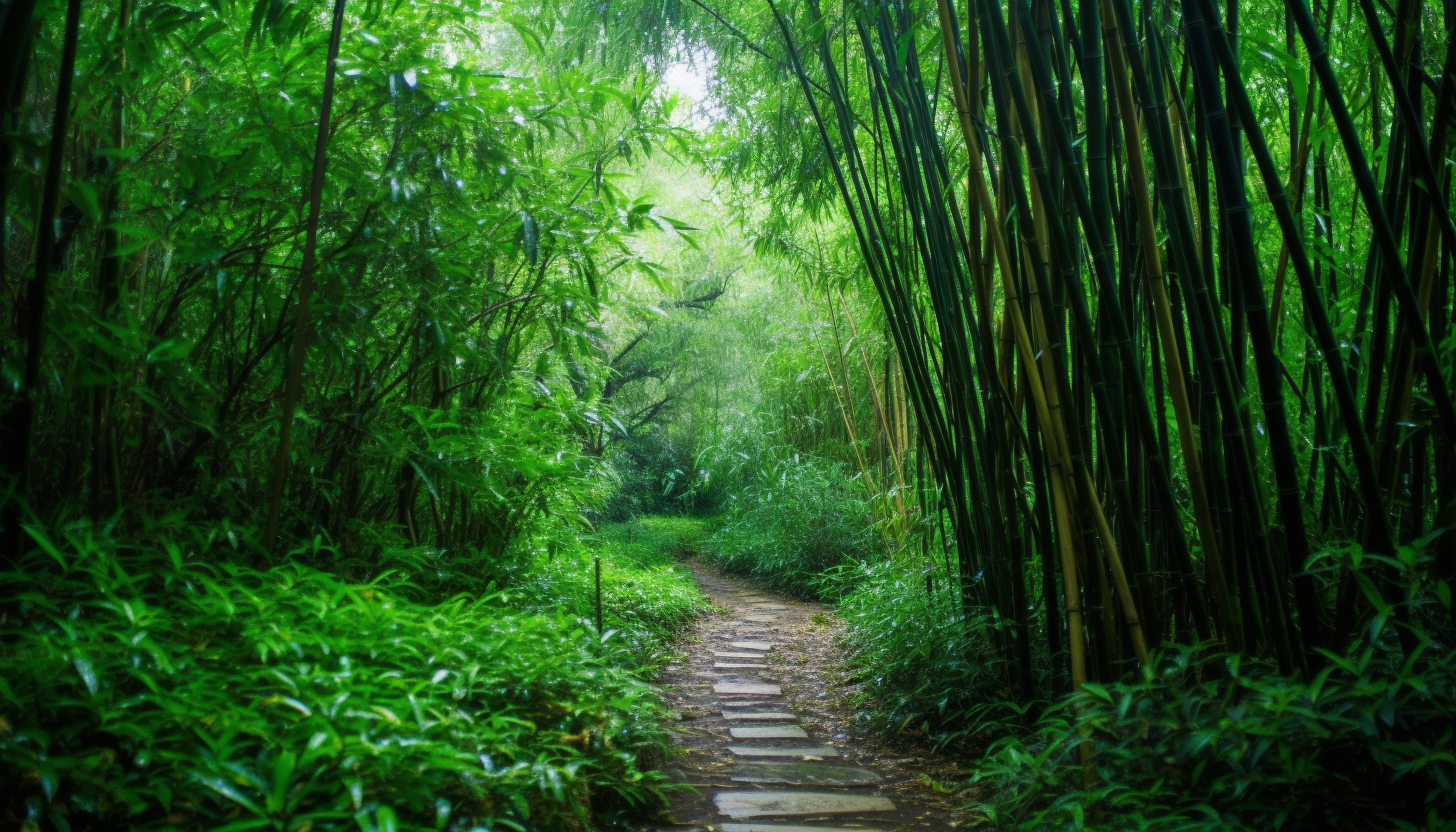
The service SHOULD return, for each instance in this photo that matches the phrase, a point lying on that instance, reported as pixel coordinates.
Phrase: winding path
(764, 729)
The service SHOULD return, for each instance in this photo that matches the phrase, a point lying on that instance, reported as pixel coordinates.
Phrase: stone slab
(764, 751)
(759, 716)
(739, 654)
(752, 645)
(768, 732)
(771, 804)
(804, 774)
(750, 688)
(787, 827)
(739, 665)
(769, 605)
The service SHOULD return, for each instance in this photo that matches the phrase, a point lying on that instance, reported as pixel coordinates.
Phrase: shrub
(150, 687)
(1213, 742)
(653, 474)
(799, 519)
(646, 598)
(928, 671)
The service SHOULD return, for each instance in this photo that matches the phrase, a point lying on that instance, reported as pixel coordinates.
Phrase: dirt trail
(762, 695)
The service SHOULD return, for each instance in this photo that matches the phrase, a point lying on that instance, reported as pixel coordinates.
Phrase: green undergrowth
(1211, 742)
(795, 521)
(170, 684)
(926, 669)
(646, 597)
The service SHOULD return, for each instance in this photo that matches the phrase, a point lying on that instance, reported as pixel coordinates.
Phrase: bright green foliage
(1212, 742)
(654, 541)
(926, 670)
(164, 685)
(646, 597)
(471, 222)
(403, 657)
(929, 361)
(797, 519)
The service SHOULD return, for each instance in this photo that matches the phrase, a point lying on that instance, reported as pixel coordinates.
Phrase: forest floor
(764, 700)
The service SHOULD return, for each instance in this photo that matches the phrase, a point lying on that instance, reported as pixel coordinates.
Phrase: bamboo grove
(1158, 404)
(187, 276)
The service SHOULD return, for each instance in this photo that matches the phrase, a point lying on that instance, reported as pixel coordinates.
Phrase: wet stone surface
(764, 745)
(768, 732)
(785, 804)
(750, 688)
(758, 715)
(804, 774)
(818, 753)
(784, 827)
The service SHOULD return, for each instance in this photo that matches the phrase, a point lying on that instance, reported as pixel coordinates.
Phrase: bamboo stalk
(1385, 238)
(1229, 624)
(33, 312)
(293, 381)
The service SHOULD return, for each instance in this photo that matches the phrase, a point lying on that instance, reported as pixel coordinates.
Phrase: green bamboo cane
(1315, 306)
(1237, 218)
(1101, 269)
(1385, 237)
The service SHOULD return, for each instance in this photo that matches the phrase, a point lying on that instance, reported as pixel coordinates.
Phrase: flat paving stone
(766, 803)
(750, 688)
(804, 774)
(730, 654)
(739, 665)
(752, 645)
(769, 605)
(786, 827)
(759, 716)
(761, 619)
(765, 751)
(768, 732)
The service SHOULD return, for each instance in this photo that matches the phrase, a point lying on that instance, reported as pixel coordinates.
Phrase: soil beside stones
(766, 728)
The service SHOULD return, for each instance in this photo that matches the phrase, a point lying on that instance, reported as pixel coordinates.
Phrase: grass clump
(165, 685)
(655, 540)
(646, 596)
(796, 520)
(927, 670)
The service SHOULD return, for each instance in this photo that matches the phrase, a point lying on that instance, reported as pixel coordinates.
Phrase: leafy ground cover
(1212, 742)
(166, 685)
(924, 665)
(646, 597)
(791, 524)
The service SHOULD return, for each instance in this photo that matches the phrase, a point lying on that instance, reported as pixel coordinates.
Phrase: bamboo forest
(727, 415)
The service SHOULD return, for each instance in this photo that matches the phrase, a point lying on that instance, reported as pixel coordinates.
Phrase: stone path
(755, 764)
